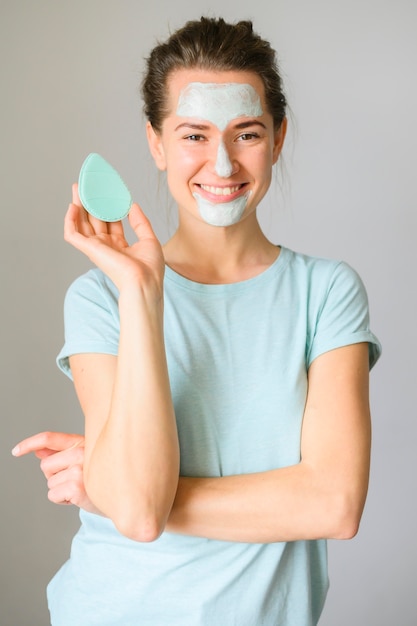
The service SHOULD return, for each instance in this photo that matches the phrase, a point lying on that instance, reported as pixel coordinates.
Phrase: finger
(44, 453)
(60, 461)
(67, 488)
(84, 220)
(72, 475)
(76, 221)
(41, 454)
(98, 226)
(140, 223)
(72, 492)
(46, 440)
(95, 248)
(116, 228)
(61, 494)
(77, 227)
(75, 195)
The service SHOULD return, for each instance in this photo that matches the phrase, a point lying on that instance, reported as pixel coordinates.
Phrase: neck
(217, 255)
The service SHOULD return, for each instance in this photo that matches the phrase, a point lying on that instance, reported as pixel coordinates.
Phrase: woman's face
(218, 144)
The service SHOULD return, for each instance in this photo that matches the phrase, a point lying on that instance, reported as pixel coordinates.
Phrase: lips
(221, 193)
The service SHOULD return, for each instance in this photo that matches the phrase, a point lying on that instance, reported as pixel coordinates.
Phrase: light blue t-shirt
(238, 356)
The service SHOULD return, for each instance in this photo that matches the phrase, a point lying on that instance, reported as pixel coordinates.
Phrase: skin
(130, 462)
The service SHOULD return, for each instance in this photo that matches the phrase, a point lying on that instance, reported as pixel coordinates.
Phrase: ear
(156, 147)
(279, 138)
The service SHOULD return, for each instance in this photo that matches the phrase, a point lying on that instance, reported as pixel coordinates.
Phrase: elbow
(137, 514)
(142, 522)
(141, 530)
(346, 517)
(346, 529)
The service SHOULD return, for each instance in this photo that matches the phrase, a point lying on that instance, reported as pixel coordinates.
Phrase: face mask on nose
(223, 166)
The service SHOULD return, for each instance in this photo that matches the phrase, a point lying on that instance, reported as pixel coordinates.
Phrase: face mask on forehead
(219, 103)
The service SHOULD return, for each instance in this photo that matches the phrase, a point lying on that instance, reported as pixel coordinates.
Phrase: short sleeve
(343, 316)
(91, 318)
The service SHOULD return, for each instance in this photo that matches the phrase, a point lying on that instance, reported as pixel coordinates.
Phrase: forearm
(132, 465)
(288, 504)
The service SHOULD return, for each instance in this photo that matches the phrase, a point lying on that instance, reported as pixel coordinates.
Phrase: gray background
(69, 86)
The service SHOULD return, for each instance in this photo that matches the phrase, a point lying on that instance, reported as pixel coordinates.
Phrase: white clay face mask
(219, 104)
(223, 166)
(221, 213)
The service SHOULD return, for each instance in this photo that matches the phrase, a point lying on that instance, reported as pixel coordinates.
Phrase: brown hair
(212, 44)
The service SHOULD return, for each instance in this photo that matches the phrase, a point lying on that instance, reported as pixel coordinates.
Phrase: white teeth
(220, 191)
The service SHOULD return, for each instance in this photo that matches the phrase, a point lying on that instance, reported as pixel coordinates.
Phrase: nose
(223, 166)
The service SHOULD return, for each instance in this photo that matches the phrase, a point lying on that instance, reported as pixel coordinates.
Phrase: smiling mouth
(221, 191)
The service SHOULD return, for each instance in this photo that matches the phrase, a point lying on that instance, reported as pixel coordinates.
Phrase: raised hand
(62, 460)
(141, 263)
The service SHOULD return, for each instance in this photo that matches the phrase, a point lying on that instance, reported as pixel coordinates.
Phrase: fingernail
(15, 450)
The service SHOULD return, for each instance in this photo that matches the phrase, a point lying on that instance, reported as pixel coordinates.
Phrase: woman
(223, 378)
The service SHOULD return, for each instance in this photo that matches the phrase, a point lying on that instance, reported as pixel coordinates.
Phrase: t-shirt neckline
(249, 283)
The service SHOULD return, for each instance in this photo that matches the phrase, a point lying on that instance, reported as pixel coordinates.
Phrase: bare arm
(321, 497)
(131, 446)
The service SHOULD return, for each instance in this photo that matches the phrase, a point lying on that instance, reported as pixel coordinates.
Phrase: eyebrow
(193, 126)
(248, 123)
(240, 126)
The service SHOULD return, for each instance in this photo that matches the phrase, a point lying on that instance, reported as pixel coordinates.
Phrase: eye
(248, 136)
(195, 137)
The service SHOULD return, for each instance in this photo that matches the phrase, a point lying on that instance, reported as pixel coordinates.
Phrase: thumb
(140, 223)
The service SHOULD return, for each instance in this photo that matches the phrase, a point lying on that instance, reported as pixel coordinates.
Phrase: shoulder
(92, 289)
(91, 318)
(91, 307)
(322, 276)
(336, 304)
(316, 266)
(93, 281)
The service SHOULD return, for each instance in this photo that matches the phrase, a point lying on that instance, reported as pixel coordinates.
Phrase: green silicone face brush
(102, 191)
